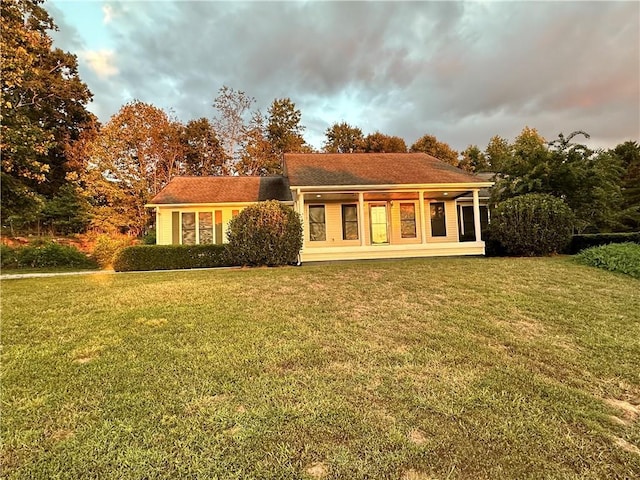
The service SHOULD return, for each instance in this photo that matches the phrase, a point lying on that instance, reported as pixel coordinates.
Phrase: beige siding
(333, 224)
(451, 219)
(164, 219)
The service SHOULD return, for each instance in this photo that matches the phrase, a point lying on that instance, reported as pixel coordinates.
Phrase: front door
(379, 233)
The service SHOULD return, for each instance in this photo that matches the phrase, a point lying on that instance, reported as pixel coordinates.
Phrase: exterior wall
(333, 222)
(391, 251)
(164, 220)
(451, 219)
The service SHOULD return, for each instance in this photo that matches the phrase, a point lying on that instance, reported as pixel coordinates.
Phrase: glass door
(379, 233)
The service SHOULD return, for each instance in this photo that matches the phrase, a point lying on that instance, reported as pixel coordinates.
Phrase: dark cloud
(461, 71)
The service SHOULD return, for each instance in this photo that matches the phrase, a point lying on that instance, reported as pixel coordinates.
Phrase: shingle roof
(324, 169)
(223, 190)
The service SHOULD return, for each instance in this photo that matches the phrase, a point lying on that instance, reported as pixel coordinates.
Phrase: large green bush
(44, 255)
(170, 257)
(619, 257)
(587, 240)
(531, 225)
(267, 233)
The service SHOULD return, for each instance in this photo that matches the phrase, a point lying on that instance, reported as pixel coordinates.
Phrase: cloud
(101, 62)
(461, 71)
(108, 12)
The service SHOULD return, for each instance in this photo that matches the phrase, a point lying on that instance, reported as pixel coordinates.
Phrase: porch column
(300, 205)
(476, 215)
(423, 225)
(361, 218)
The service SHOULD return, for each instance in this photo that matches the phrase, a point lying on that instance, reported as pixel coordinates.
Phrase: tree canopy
(43, 107)
(432, 146)
(343, 138)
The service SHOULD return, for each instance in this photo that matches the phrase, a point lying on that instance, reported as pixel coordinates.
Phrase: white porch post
(423, 225)
(361, 217)
(476, 215)
(300, 205)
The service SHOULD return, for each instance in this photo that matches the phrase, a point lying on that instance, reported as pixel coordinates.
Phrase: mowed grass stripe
(432, 368)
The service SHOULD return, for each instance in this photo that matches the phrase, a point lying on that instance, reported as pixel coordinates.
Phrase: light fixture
(446, 193)
(318, 196)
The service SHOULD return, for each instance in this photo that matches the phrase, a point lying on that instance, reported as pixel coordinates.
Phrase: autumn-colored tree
(343, 138)
(283, 127)
(203, 154)
(431, 145)
(380, 143)
(133, 156)
(43, 110)
(259, 156)
(473, 160)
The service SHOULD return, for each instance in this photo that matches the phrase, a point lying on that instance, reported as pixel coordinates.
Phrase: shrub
(107, 247)
(580, 242)
(267, 233)
(149, 238)
(619, 257)
(49, 254)
(532, 224)
(169, 257)
(8, 257)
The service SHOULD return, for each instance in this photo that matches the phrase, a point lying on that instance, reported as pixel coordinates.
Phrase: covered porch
(385, 222)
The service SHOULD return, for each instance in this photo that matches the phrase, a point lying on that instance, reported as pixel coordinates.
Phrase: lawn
(415, 369)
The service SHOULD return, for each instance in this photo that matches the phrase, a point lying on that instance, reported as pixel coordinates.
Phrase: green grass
(615, 257)
(415, 369)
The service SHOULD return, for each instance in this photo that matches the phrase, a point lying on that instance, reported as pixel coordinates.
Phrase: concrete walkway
(14, 276)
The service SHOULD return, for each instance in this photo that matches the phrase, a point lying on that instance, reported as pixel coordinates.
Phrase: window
(205, 227)
(408, 220)
(349, 222)
(438, 220)
(188, 228)
(218, 217)
(317, 226)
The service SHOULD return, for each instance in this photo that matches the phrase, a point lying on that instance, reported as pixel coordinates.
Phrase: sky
(462, 71)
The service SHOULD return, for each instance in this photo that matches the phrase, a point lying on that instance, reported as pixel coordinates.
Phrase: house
(354, 206)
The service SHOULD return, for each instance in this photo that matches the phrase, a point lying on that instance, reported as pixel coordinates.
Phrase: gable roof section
(202, 190)
(336, 169)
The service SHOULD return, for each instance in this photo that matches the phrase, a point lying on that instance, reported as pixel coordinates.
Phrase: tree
(343, 138)
(232, 121)
(587, 181)
(497, 153)
(203, 154)
(43, 110)
(432, 146)
(380, 143)
(259, 156)
(628, 154)
(473, 160)
(131, 159)
(283, 128)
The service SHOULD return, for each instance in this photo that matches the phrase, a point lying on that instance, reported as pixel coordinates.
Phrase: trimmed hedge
(619, 257)
(170, 257)
(531, 225)
(580, 242)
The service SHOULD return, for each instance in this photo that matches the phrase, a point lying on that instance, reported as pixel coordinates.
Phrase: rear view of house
(354, 206)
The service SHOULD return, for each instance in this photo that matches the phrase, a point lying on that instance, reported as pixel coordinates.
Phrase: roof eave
(403, 186)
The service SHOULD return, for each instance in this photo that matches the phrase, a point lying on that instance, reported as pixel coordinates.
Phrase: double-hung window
(350, 222)
(408, 220)
(317, 223)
